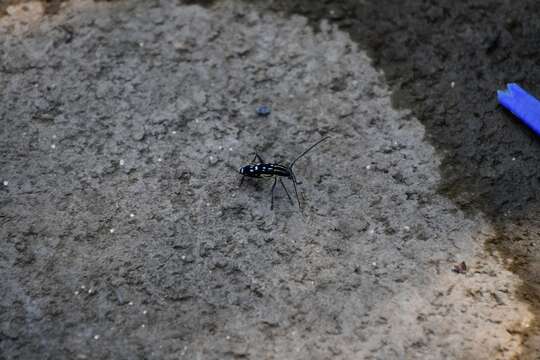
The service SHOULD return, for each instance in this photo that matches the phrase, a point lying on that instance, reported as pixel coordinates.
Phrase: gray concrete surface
(125, 234)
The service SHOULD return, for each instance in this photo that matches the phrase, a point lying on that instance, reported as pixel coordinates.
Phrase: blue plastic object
(522, 104)
(263, 110)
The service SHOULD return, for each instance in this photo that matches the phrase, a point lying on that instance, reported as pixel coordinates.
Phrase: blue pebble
(263, 110)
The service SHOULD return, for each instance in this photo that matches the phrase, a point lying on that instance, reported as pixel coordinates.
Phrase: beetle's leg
(293, 178)
(286, 191)
(258, 157)
(273, 187)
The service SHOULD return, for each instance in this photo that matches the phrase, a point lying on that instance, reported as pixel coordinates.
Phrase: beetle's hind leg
(273, 188)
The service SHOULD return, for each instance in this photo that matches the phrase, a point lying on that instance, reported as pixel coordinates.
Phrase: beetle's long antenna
(308, 150)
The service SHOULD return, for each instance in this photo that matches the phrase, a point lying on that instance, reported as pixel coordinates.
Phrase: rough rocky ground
(125, 234)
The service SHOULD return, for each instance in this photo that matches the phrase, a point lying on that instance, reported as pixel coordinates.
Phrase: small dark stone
(263, 110)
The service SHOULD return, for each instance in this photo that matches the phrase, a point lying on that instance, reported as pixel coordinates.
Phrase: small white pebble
(221, 148)
(6, 183)
(211, 158)
(90, 291)
(513, 159)
(183, 257)
(112, 231)
(452, 84)
(374, 263)
(122, 162)
(174, 132)
(197, 121)
(54, 136)
(228, 337)
(159, 159)
(131, 215)
(130, 303)
(144, 312)
(96, 337)
(83, 287)
(230, 149)
(368, 167)
(207, 204)
(372, 231)
(53, 146)
(141, 44)
(76, 292)
(406, 228)
(143, 326)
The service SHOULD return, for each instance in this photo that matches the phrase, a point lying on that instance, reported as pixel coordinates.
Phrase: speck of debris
(130, 303)
(122, 162)
(145, 312)
(112, 231)
(53, 146)
(6, 183)
(452, 84)
(460, 268)
(96, 337)
(174, 132)
(159, 159)
(368, 167)
(263, 110)
(76, 292)
(131, 215)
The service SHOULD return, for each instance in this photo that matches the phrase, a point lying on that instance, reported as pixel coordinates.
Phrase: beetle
(277, 171)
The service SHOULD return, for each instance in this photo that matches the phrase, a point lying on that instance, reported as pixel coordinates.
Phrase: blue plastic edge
(522, 104)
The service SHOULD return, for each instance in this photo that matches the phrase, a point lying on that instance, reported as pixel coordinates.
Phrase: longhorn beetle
(277, 171)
